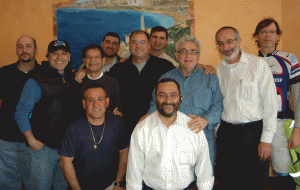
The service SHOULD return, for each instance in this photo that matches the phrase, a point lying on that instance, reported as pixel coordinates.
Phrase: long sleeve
(30, 95)
(135, 164)
(203, 168)
(268, 95)
(214, 114)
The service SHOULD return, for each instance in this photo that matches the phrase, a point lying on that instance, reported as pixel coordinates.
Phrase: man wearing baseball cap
(47, 106)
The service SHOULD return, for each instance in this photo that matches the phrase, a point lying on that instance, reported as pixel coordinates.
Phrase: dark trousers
(238, 165)
(192, 186)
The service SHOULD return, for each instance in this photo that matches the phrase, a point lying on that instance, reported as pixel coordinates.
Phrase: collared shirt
(201, 96)
(168, 158)
(169, 58)
(249, 93)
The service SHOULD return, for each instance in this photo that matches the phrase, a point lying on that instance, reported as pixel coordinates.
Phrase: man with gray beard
(249, 115)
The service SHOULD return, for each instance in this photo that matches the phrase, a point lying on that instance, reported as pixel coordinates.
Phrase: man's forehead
(167, 87)
(226, 34)
(25, 40)
(141, 36)
(111, 38)
(159, 34)
(93, 51)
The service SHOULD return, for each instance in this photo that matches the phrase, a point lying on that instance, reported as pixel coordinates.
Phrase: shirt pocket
(249, 90)
(202, 98)
(186, 155)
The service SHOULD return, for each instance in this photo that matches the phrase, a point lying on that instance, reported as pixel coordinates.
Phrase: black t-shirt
(95, 168)
(12, 81)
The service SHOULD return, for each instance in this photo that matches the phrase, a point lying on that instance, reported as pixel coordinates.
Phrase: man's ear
(107, 101)
(83, 103)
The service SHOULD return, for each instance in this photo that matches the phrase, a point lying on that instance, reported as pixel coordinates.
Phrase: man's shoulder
(114, 120)
(9, 67)
(287, 56)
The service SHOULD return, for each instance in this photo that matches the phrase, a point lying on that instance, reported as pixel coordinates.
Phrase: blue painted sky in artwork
(82, 27)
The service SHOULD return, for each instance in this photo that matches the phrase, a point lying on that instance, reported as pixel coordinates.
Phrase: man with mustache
(137, 77)
(202, 98)
(14, 163)
(286, 73)
(164, 153)
(93, 59)
(48, 104)
(249, 118)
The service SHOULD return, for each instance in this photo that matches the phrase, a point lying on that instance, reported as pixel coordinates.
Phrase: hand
(123, 59)
(294, 140)
(36, 144)
(264, 150)
(209, 69)
(80, 75)
(118, 188)
(117, 112)
(198, 123)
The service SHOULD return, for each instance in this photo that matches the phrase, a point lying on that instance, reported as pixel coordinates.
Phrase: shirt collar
(95, 78)
(196, 70)
(268, 54)
(243, 59)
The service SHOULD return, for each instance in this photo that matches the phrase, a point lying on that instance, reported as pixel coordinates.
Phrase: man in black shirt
(14, 166)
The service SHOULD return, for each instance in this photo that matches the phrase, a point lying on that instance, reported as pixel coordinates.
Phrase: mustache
(24, 54)
(225, 51)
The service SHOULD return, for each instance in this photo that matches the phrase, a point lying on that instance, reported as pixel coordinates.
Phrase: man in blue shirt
(201, 95)
(47, 106)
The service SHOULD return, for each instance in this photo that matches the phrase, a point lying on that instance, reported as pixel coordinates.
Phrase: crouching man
(164, 153)
(94, 150)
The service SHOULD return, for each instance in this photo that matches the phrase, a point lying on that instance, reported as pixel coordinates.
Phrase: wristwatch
(120, 184)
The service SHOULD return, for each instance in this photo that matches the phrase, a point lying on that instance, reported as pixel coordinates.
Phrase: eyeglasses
(139, 42)
(184, 52)
(227, 42)
(164, 96)
(265, 32)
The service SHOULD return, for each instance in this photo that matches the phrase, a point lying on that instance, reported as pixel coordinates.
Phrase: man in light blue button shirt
(202, 98)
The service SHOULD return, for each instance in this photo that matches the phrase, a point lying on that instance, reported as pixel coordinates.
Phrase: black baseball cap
(58, 44)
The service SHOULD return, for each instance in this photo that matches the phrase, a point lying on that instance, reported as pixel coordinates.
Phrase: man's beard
(160, 109)
(235, 52)
(26, 60)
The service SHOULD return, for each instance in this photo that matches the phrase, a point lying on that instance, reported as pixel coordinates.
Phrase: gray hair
(187, 38)
(237, 34)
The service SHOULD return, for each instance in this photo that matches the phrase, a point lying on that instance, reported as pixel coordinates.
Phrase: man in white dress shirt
(249, 115)
(164, 153)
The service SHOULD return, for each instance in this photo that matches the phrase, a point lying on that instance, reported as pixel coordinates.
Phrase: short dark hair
(140, 32)
(237, 34)
(264, 23)
(164, 80)
(159, 29)
(113, 34)
(92, 46)
(91, 86)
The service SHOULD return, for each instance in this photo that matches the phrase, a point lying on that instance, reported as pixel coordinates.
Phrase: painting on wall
(85, 22)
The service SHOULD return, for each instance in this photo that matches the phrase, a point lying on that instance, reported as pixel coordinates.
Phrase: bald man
(13, 150)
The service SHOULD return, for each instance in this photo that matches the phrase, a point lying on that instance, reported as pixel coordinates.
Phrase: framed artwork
(85, 22)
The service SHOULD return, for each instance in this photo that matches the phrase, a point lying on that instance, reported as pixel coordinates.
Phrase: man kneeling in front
(164, 153)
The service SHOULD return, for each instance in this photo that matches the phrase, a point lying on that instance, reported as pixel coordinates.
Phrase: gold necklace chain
(95, 146)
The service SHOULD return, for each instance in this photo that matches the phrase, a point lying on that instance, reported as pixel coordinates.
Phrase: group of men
(170, 113)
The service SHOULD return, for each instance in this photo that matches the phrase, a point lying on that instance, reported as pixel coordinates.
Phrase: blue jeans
(14, 166)
(46, 170)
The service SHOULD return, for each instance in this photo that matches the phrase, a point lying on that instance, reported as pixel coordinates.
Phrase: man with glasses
(202, 98)
(249, 118)
(286, 73)
(137, 77)
(164, 153)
